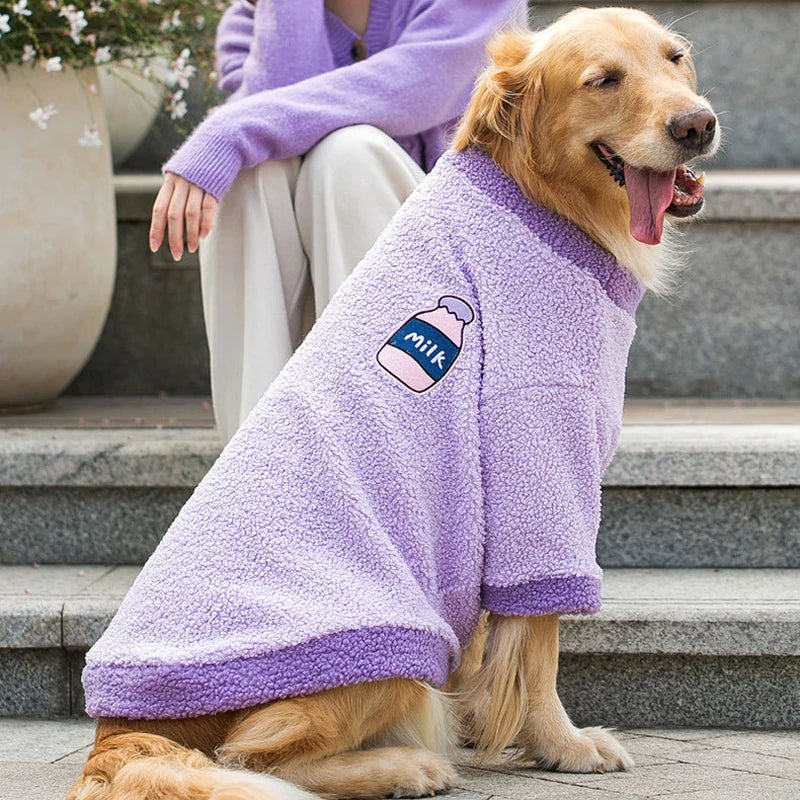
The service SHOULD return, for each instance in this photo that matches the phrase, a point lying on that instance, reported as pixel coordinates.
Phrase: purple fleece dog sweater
(435, 446)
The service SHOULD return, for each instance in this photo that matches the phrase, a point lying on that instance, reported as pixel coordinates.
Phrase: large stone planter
(132, 103)
(57, 233)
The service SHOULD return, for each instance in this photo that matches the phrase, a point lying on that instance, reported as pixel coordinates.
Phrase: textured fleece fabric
(291, 68)
(354, 527)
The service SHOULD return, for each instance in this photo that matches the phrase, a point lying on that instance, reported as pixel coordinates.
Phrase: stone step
(730, 329)
(714, 484)
(670, 647)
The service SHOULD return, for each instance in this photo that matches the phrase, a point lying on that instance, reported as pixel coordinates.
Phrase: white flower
(77, 21)
(4, 26)
(182, 72)
(77, 24)
(97, 8)
(177, 105)
(21, 8)
(172, 23)
(41, 115)
(102, 55)
(53, 64)
(90, 138)
(28, 53)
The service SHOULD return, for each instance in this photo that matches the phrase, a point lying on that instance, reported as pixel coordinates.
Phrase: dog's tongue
(650, 194)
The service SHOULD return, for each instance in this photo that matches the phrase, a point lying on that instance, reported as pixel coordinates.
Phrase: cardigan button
(359, 50)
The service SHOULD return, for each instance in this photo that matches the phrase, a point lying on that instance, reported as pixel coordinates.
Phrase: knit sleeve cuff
(208, 160)
(570, 594)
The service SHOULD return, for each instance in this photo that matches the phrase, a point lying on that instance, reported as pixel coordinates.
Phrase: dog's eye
(677, 56)
(604, 81)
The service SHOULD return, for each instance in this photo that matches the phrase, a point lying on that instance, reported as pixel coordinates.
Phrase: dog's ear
(506, 94)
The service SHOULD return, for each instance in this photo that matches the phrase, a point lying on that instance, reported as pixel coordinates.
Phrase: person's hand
(185, 208)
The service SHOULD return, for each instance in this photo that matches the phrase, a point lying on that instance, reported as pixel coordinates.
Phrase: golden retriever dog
(595, 118)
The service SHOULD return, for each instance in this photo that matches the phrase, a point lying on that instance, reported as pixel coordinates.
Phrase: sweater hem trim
(571, 594)
(173, 691)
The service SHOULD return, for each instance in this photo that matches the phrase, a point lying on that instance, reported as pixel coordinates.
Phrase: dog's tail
(129, 765)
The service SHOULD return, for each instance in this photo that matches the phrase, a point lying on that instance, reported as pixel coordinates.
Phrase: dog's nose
(694, 130)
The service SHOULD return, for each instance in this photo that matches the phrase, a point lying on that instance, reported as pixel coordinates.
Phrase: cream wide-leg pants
(280, 224)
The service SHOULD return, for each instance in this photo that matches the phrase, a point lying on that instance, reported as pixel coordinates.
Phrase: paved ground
(40, 759)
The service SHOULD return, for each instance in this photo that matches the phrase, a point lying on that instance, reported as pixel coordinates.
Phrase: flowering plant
(54, 34)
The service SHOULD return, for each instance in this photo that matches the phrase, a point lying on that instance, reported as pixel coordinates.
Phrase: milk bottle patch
(422, 350)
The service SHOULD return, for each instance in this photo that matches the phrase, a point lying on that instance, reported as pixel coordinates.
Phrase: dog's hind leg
(376, 772)
(134, 765)
(368, 740)
(516, 701)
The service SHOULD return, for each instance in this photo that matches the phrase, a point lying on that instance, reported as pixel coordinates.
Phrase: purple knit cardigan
(357, 522)
(290, 65)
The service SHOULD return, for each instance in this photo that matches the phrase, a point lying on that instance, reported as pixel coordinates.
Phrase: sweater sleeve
(420, 82)
(234, 39)
(541, 482)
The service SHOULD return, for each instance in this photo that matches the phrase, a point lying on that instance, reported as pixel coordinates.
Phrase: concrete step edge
(106, 458)
(648, 455)
(751, 612)
(706, 455)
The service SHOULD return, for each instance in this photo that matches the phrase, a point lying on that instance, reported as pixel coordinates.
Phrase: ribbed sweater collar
(341, 36)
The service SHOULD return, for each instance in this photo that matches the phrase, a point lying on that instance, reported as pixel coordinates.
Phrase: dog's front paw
(583, 750)
(613, 756)
(423, 775)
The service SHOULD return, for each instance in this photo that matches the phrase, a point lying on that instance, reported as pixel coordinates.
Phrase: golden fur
(532, 113)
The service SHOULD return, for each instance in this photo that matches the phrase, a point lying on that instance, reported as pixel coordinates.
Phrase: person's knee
(280, 172)
(357, 150)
